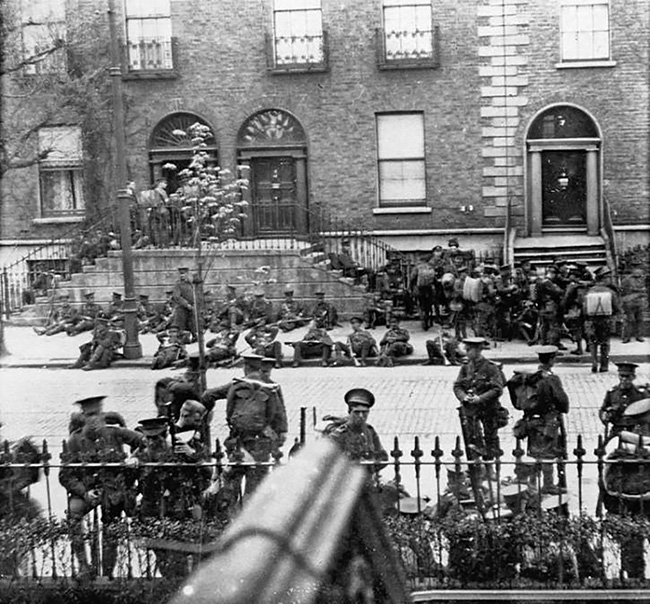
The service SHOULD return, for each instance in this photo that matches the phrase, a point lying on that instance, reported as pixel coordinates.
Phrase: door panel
(564, 188)
(274, 198)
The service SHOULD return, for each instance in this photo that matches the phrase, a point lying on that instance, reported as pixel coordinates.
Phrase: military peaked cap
(359, 396)
(629, 368)
(91, 404)
(153, 426)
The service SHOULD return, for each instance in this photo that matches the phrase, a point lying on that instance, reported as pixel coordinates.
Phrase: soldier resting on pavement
(359, 345)
(619, 398)
(445, 350)
(315, 343)
(262, 340)
(394, 344)
(100, 351)
(222, 347)
(170, 351)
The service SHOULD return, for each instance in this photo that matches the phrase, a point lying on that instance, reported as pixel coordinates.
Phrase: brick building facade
(413, 118)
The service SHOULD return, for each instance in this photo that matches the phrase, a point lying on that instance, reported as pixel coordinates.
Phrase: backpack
(598, 304)
(426, 275)
(472, 289)
(248, 400)
(522, 388)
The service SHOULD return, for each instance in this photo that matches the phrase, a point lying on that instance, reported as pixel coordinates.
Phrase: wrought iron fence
(456, 523)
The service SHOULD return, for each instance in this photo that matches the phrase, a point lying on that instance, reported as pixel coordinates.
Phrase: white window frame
(148, 34)
(408, 30)
(582, 38)
(400, 150)
(298, 36)
(43, 27)
(62, 164)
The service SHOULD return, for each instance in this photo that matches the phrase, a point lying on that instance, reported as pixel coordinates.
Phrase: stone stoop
(571, 247)
(156, 271)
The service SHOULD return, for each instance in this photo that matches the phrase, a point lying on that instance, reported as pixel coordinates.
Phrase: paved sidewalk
(30, 350)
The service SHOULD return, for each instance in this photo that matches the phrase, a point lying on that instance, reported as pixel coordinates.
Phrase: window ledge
(584, 64)
(406, 210)
(59, 220)
(298, 68)
(152, 74)
(408, 64)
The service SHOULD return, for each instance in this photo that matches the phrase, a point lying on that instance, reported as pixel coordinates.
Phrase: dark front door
(274, 198)
(564, 186)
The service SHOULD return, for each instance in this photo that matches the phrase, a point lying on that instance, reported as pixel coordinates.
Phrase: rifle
(353, 356)
(442, 349)
(473, 468)
(170, 425)
(561, 469)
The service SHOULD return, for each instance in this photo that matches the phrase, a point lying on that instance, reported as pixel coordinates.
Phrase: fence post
(5, 294)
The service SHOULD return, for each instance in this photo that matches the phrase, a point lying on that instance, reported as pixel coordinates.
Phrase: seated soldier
(262, 340)
(445, 350)
(315, 343)
(344, 262)
(170, 351)
(324, 312)
(394, 344)
(100, 352)
(620, 397)
(375, 309)
(359, 345)
(84, 319)
(222, 348)
(62, 319)
(292, 313)
(146, 313)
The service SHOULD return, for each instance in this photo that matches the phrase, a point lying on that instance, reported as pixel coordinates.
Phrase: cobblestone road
(411, 401)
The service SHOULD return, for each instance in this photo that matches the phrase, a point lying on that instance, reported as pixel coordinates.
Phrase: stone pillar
(535, 211)
(593, 205)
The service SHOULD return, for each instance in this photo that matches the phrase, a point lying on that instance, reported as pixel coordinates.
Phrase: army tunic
(360, 444)
(616, 401)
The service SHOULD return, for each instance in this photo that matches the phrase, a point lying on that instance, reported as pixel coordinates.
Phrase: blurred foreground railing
(454, 524)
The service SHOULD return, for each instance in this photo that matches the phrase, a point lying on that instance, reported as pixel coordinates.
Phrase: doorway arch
(563, 147)
(273, 145)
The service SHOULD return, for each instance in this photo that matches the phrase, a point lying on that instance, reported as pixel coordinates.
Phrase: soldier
(146, 314)
(619, 397)
(292, 313)
(324, 312)
(350, 268)
(478, 388)
(260, 308)
(170, 351)
(394, 344)
(506, 301)
(423, 279)
(484, 310)
(258, 424)
(262, 340)
(223, 346)
(359, 345)
(316, 342)
(100, 351)
(354, 435)
(634, 299)
(572, 304)
(600, 305)
(90, 487)
(184, 302)
(115, 312)
(543, 416)
(64, 317)
(84, 319)
(549, 296)
(444, 350)
(235, 307)
(460, 310)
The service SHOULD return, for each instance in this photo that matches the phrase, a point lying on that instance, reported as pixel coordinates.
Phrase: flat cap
(637, 408)
(359, 396)
(625, 367)
(91, 404)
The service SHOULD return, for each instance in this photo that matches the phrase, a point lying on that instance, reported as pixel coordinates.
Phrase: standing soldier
(354, 435)
(394, 344)
(84, 319)
(359, 345)
(90, 487)
(634, 299)
(572, 304)
(478, 388)
(423, 279)
(184, 302)
(292, 313)
(506, 301)
(257, 421)
(600, 306)
(549, 294)
(543, 417)
(619, 397)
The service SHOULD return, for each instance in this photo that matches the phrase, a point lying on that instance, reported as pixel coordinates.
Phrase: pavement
(27, 349)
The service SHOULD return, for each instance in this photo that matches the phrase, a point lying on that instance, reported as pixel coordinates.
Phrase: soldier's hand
(92, 496)
(183, 448)
(132, 462)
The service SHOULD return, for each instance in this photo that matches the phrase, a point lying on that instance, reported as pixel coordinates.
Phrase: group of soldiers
(567, 300)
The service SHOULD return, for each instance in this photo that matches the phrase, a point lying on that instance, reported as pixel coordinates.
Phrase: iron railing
(455, 524)
(417, 49)
(297, 53)
(150, 55)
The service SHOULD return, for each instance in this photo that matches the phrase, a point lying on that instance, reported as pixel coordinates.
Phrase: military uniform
(572, 308)
(262, 340)
(63, 318)
(360, 343)
(324, 312)
(316, 342)
(549, 295)
(100, 351)
(598, 329)
(260, 309)
(170, 351)
(90, 487)
(115, 311)
(483, 379)
(395, 343)
(634, 299)
(292, 313)
(423, 279)
(620, 397)
(84, 318)
(184, 302)
(223, 346)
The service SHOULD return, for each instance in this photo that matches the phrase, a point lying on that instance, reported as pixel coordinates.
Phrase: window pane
(400, 136)
(147, 8)
(60, 191)
(585, 30)
(63, 144)
(402, 181)
(601, 45)
(601, 17)
(296, 4)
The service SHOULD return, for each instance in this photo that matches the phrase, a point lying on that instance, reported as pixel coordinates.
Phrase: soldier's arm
(606, 408)
(460, 385)
(495, 382)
